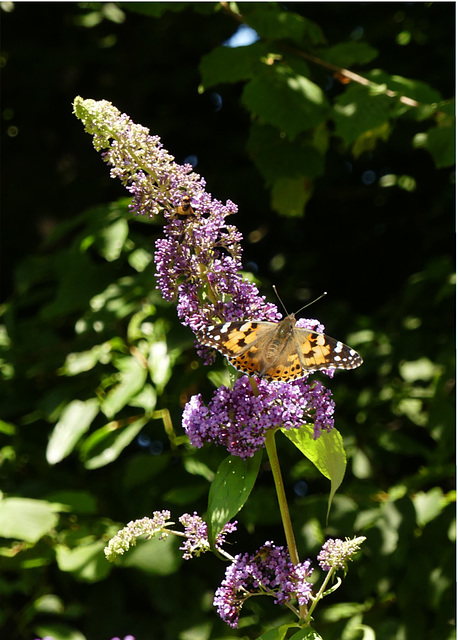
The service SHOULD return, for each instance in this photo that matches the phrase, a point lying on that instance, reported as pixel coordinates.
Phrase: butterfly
(278, 351)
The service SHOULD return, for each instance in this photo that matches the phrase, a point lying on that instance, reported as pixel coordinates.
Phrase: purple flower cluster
(195, 531)
(198, 263)
(267, 572)
(238, 419)
(336, 553)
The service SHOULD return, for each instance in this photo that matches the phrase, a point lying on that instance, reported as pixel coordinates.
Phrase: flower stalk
(198, 265)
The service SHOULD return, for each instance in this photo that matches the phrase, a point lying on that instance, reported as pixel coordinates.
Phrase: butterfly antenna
(281, 301)
(325, 293)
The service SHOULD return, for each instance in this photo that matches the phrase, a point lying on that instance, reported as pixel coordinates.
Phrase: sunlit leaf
(108, 442)
(132, 377)
(86, 562)
(26, 519)
(327, 453)
(74, 422)
(230, 490)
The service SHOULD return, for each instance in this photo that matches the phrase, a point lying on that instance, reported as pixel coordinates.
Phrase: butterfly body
(278, 351)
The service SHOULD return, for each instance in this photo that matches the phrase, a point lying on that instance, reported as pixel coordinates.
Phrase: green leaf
(229, 491)
(348, 54)
(343, 611)
(440, 142)
(277, 634)
(429, 505)
(76, 363)
(142, 468)
(155, 9)
(73, 291)
(290, 195)
(146, 399)
(75, 420)
(415, 89)
(132, 378)
(306, 634)
(289, 101)
(273, 23)
(368, 140)
(26, 519)
(275, 156)
(159, 363)
(7, 428)
(111, 239)
(57, 631)
(360, 109)
(80, 502)
(87, 562)
(231, 64)
(107, 443)
(139, 259)
(327, 453)
(155, 556)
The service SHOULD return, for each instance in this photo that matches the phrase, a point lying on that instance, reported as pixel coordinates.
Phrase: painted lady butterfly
(278, 352)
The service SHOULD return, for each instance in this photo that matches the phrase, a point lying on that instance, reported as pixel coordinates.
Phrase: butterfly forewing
(278, 351)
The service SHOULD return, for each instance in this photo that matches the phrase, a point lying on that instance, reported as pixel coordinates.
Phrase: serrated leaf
(107, 443)
(229, 491)
(327, 454)
(228, 65)
(26, 519)
(287, 100)
(75, 420)
(132, 378)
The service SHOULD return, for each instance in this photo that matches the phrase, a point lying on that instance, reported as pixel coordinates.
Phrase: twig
(346, 73)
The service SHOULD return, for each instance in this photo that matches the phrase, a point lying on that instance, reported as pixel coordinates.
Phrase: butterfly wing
(243, 343)
(278, 355)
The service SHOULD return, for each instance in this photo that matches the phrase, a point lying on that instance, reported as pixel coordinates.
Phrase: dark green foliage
(96, 368)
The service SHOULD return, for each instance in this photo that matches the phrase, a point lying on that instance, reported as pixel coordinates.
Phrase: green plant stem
(283, 504)
(320, 593)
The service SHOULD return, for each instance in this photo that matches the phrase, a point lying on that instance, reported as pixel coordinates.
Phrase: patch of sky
(244, 36)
